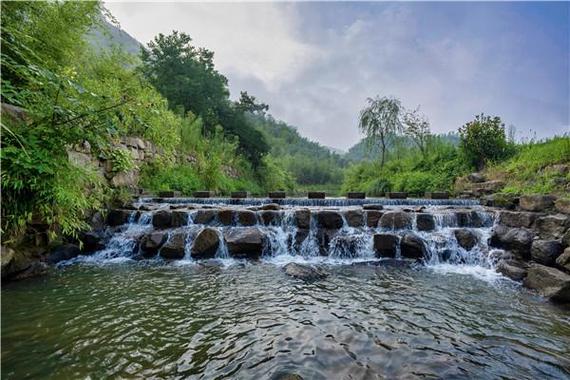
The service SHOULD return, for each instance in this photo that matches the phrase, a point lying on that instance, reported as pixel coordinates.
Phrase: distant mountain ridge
(108, 35)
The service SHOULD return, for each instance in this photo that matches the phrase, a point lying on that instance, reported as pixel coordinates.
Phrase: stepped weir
(424, 231)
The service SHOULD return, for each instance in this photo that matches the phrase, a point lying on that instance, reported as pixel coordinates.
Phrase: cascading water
(285, 240)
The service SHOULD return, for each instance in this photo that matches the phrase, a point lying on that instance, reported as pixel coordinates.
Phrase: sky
(316, 63)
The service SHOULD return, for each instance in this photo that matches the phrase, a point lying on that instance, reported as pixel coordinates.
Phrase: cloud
(316, 63)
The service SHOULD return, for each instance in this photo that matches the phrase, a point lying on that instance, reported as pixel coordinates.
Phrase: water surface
(250, 320)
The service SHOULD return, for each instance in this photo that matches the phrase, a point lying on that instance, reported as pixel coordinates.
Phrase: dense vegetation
(416, 161)
(61, 89)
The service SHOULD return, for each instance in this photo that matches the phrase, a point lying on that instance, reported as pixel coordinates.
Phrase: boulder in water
(247, 217)
(345, 246)
(412, 246)
(386, 245)
(63, 252)
(372, 206)
(204, 216)
(304, 272)
(536, 202)
(118, 217)
(513, 270)
(373, 217)
(552, 227)
(270, 217)
(174, 246)
(563, 261)
(162, 219)
(226, 216)
(469, 219)
(354, 218)
(303, 218)
(466, 239)
(93, 241)
(247, 242)
(205, 244)
(425, 222)
(545, 252)
(151, 243)
(516, 240)
(396, 220)
(549, 282)
(329, 219)
(179, 218)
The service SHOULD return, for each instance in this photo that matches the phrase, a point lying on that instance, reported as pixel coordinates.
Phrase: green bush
(484, 139)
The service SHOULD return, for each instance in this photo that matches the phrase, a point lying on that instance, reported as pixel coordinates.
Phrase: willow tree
(380, 119)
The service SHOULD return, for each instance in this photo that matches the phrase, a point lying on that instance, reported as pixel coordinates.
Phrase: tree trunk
(383, 151)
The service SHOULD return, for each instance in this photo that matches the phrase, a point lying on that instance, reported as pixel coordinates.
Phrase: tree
(416, 127)
(483, 139)
(379, 119)
(186, 76)
(247, 103)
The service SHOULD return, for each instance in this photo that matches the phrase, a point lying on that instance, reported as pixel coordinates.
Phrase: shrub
(483, 139)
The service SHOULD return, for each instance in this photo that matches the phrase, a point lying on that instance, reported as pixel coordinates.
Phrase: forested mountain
(309, 162)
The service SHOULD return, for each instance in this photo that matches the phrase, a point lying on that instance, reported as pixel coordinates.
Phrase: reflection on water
(249, 320)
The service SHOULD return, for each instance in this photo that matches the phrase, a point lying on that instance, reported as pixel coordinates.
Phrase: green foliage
(380, 118)
(484, 139)
(532, 169)
(121, 159)
(411, 171)
(310, 163)
(186, 76)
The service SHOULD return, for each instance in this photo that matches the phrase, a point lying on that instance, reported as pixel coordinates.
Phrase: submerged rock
(549, 282)
(412, 246)
(246, 242)
(386, 245)
(304, 272)
(174, 246)
(545, 251)
(466, 239)
(396, 220)
(270, 206)
(205, 244)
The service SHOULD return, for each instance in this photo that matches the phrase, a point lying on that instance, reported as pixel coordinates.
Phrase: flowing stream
(113, 314)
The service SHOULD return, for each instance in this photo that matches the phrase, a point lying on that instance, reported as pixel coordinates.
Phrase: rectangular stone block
(316, 195)
(169, 194)
(277, 195)
(239, 194)
(438, 195)
(202, 194)
(397, 195)
(356, 195)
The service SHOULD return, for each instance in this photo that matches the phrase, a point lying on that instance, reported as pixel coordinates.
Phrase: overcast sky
(316, 63)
